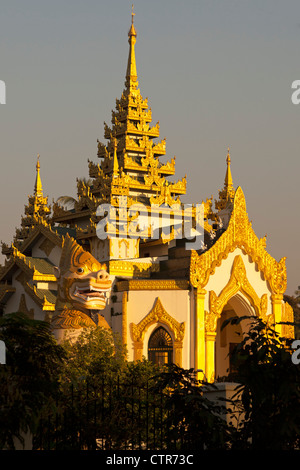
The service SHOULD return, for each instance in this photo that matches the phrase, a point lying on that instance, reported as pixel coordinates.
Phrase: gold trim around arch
(238, 282)
(158, 314)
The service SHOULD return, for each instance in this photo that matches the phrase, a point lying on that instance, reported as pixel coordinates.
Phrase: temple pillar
(124, 319)
(276, 300)
(138, 350)
(210, 341)
(178, 353)
(200, 332)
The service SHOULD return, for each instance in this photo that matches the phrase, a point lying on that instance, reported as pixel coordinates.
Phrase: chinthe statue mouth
(91, 293)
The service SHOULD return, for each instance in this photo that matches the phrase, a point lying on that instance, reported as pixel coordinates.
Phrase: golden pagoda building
(170, 293)
(130, 167)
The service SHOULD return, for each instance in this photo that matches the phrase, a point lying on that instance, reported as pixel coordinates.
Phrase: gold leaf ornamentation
(288, 331)
(239, 234)
(71, 319)
(158, 314)
(152, 284)
(238, 282)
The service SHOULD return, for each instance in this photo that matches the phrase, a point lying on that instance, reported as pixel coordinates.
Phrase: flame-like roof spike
(115, 161)
(38, 188)
(228, 177)
(131, 74)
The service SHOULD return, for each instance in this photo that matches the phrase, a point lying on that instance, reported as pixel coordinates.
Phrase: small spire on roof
(132, 31)
(115, 161)
(38, 188)
(228, 177)
(131, 73)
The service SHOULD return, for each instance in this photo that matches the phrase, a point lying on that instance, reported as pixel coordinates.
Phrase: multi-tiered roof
(37, 211)
(130, 160)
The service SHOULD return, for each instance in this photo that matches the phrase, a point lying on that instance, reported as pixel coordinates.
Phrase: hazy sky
(217, 73)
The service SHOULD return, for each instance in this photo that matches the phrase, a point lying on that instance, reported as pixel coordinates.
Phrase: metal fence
(108, 415)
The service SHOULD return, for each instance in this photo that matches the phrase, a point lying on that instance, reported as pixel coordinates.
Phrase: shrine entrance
(228, 337)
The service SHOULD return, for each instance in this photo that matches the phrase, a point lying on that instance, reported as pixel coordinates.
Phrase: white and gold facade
(166, 300)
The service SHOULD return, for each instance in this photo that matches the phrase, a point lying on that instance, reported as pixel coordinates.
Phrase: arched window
(160, 347)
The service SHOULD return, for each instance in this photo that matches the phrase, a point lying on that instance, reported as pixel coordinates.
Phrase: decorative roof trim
(152, 284)
(239, 234)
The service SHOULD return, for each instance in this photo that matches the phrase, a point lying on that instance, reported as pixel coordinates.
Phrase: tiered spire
(36, 210)
(228, 177)
(131, 74)
(227, 194)
(130, 160)
(38, 188)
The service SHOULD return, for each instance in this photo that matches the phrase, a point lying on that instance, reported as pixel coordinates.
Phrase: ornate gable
(239, 234)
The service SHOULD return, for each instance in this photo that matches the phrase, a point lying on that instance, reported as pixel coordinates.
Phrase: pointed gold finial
(132, 31)
(115, 161)
(226, 195)
(38, 188)
(228, 177)
(131, 73)
(228, 156)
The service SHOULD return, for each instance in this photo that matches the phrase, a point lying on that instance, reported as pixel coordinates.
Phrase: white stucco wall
(13, 303)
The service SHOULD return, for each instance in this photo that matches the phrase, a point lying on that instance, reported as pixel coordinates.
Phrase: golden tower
(130, 169)
(36, 211)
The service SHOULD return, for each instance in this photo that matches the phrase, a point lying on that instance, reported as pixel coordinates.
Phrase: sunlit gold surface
(83, 284)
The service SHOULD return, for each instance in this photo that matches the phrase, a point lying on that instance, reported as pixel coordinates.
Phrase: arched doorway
(160, 347)
(228, 337)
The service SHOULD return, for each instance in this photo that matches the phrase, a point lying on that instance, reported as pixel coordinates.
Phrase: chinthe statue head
(83, 282)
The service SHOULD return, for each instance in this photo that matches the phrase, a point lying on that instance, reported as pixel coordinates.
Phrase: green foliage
(84, 394)
(103, 398)
(269, 390)
(29, 378)
(117, 404)
(193, 421)
(141, 372)
(96, 353)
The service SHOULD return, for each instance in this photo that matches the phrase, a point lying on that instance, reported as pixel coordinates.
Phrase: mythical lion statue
(83, 288)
